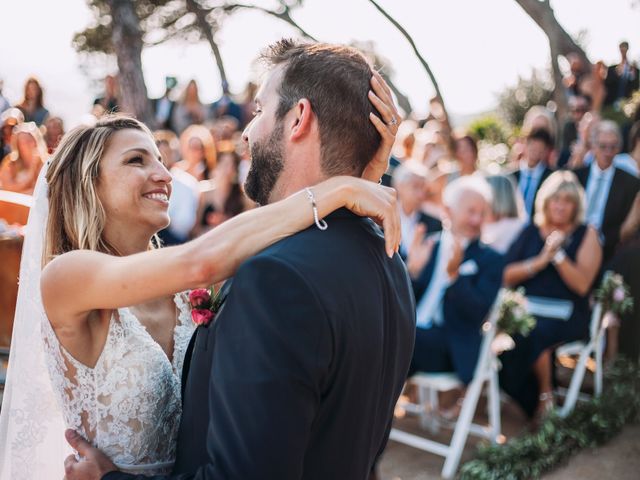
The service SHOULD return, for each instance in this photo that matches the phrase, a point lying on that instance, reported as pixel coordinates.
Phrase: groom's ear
(302, 120)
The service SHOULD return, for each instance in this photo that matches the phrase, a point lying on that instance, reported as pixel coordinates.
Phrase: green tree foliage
(514, 101)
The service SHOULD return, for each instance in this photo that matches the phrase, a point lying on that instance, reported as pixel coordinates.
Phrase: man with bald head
(455, 279)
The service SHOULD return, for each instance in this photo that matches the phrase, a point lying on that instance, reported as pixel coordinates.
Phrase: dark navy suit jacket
(298, 376)
(466, 303)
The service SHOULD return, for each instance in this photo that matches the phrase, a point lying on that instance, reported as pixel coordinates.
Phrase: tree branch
(424, 63)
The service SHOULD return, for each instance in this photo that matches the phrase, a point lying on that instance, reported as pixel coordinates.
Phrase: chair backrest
(14, 207)
(596, 316)
(489, 333)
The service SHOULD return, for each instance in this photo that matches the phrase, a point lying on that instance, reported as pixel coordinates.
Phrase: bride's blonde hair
(76, 215)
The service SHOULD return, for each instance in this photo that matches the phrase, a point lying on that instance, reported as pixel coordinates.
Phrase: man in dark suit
(409, 180)
(533, 170)
(298, 376)
(610, 191)
(455, 279)
(163, 106)
(622, 79)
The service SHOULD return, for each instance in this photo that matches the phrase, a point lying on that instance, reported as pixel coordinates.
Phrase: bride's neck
(127, 242)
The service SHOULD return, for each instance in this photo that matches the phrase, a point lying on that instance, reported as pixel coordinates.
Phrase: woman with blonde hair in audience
(189, 110)
(198, 152)
(19, 169)
(556, 259)
(506, 217)
(32, 104)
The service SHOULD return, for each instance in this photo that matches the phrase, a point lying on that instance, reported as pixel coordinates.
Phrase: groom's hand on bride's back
(93, 465)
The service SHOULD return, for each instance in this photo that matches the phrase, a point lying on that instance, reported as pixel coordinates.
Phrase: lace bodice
(129, 404)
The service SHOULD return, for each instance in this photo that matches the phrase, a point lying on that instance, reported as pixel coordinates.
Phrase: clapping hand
(420, 251)
(92, 466)
(551, 246)
(457, 254)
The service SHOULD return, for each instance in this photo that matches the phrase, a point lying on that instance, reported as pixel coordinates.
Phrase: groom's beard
(267, 163)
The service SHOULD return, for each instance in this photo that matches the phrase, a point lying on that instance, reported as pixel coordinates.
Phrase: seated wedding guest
(623, 161)
(582, 150)
(622, 79)
(32, 106)
(630, 161)
(19, 169)
(578, 106)
(54, 130)
(185, 192)
(533, 169)
(409, 180)
(8, 120)
(110, 99)
(506, 218)
(556, 259)
(610, 191)
(198, 151)
(465, 155)
(163, 107)
(593, 86)
(537, 117)
(455, 280)
(224, 199)
(226, 106)
(189, 110)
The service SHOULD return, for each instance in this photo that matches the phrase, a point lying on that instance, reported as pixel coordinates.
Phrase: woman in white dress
(103, 314)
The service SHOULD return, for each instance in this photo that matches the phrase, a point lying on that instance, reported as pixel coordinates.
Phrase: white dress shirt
(408, 224)
(183, 204)
(623, 161)
(528, 183)
(429, 308)
(598, 187)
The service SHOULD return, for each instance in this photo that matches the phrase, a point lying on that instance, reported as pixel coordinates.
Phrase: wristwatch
(559, 257)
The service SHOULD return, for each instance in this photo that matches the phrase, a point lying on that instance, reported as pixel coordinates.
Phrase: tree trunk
(560, 43)
(423, 62)
(127, 43)
(207, 30)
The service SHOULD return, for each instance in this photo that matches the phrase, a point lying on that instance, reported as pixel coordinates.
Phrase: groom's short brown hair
(335, 79)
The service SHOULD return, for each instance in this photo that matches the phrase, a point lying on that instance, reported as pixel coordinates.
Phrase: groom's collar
(342, 213)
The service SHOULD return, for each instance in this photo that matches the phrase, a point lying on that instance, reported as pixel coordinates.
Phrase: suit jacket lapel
(613, 200)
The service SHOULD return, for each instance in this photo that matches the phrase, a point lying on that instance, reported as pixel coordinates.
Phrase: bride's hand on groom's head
(387, 125)
(93, 464)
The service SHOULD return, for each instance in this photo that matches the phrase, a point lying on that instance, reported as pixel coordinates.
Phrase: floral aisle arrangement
(513, 319)
(615, 298)
(590, 424)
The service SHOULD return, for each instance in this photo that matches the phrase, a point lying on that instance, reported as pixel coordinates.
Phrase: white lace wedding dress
(129, 404)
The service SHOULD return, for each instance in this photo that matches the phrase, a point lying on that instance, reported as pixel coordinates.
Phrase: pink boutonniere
(205, 303)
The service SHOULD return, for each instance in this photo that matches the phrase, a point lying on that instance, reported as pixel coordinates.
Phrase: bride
(100, 332)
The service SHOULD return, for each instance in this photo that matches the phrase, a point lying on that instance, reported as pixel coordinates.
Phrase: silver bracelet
(320, 223)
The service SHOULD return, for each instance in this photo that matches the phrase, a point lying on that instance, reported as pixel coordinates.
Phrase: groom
(298, 376)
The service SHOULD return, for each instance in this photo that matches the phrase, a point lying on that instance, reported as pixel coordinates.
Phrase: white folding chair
(429, 384)
(594, 346)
